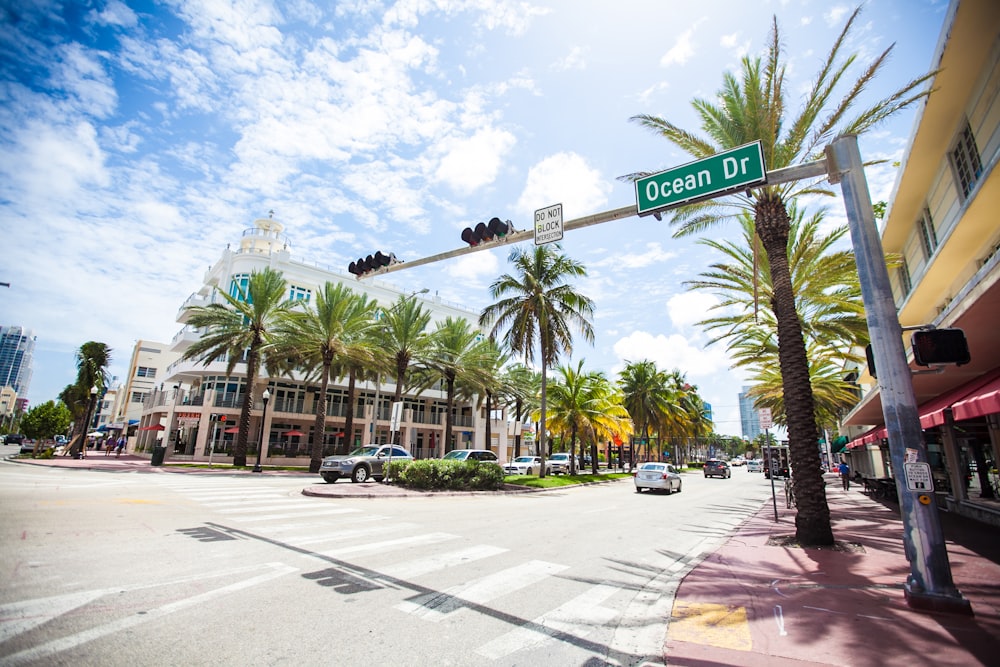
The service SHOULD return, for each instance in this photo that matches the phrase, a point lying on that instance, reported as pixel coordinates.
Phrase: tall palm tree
(520, 387)
(335, 328)
(536, 310)
(404, 338)
(753, 107)
(244, 323)
(647, 395)
(92, 361)
(585, 405)
(457, 356)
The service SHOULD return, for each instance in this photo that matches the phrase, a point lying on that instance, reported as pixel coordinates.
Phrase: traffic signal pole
(930, 585)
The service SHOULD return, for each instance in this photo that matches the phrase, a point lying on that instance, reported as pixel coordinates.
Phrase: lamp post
(266, 396)
(86, 422)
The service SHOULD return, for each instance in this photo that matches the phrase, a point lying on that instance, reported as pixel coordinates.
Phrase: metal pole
(930, 585)
(263, 418)
(215, 433)
(770, 473)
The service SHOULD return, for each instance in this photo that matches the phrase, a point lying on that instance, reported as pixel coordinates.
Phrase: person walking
(120, 446)
(845, 475)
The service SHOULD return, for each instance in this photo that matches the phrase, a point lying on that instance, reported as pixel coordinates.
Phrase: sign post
(729, 171)
(764, 417)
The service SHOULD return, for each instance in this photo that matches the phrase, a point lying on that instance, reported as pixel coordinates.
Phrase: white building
(178, 411)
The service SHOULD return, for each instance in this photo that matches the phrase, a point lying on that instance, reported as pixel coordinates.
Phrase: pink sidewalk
(750, 603)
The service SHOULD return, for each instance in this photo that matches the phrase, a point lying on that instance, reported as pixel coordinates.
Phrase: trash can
(158, 454)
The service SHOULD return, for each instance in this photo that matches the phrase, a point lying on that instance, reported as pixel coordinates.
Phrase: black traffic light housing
(486, 231)
(940, 346)
(372, 263)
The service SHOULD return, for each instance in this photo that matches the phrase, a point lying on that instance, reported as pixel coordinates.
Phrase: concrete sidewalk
(756, 601)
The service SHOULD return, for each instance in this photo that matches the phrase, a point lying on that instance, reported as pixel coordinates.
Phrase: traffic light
(486, 231)
(940, 346)
(372, 263)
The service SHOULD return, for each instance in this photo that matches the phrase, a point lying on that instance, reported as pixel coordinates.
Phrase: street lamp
(266, 396)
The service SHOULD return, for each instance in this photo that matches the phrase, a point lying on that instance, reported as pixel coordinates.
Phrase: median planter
(438, 475)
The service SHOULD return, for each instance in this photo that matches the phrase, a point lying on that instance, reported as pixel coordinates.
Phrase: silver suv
(558, 463)
(470, 455)
(362, 464)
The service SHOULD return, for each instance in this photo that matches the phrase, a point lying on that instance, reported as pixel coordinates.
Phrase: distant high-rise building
(749, 423)
(17, 344)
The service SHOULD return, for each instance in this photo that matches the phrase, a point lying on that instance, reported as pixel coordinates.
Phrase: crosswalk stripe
(435, 606)
(390, 545)
(254, 507)
(577, 617)
(302, 514)
(348, 534)
(421, 566)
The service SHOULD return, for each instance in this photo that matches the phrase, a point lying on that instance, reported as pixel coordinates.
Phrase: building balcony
(193, 300)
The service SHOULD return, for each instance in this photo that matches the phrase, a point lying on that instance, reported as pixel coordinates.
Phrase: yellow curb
(710, 625)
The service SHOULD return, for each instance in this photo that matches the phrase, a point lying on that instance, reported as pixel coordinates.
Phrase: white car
(558, 463)
(737, 461)
(525, 465)
(659, 476)
(755, 465)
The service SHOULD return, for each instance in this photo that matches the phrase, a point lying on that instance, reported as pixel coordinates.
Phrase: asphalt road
(189, 569)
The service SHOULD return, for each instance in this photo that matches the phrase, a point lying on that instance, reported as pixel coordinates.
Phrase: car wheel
(706, 475)
(330, 479)
(728, 474)
(360, 474)
(679, 485)
(530, 471)
(669, 489)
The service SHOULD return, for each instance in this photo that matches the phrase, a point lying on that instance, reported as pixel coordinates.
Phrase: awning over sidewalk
(985, 401)
(867, 437)
(967, 395)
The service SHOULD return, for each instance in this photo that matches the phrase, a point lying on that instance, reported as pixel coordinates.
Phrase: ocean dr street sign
(548, 224)
(713, 176)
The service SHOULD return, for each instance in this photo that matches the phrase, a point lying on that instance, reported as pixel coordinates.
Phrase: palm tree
(404, 337)
(456, 356)
(536, 309)
(335, 329)
(753, 108)
(92, 361)
(520, 387)
(244, 323)
(647, 395)
(585, 405)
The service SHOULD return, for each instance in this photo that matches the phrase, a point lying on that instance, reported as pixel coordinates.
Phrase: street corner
(710, 624)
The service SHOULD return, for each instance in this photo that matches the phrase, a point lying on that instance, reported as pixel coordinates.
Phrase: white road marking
(577, 617)
(422, 566)
(302, 514)
(435, 606)
(389, 545)
(380, 529)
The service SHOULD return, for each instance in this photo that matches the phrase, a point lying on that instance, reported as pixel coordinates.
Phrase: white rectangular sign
(396, 416)
(764, 416)
(918, 477)
(548, 224)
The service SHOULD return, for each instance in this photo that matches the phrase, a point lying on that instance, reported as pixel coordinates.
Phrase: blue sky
(137, 139)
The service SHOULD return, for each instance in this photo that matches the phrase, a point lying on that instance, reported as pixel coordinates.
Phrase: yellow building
(944, 220)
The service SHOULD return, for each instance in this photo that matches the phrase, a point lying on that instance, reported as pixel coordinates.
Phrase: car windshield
(456, 455)
(653, 466)
(370, 450)
(524, 459)
(559, 456)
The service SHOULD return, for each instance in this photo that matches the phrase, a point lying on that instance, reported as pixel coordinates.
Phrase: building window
(299, 294)
(239, 285)
(928, 236)
(138, 397)
(965, 158)
(145, 372)
(904, 278)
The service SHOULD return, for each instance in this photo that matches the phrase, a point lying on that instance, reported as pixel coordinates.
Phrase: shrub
(438, 475)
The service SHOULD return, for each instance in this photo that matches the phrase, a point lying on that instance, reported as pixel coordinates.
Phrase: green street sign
(709, 177)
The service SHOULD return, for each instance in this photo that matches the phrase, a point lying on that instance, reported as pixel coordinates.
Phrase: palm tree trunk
(446, 440)
(812, 521)
(240, 452)
(319, 425)
(541, 423)
(517, 432)
(489, 421)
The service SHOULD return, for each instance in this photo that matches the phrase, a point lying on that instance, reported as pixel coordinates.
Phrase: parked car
(361, 464)
(525, 465)
(717, 468)
(13, 439)
(737, 461)
(470, 455)
(658, 476)
(559, 463)
(755, 465)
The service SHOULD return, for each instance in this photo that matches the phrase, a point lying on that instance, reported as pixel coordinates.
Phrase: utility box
(779, 460)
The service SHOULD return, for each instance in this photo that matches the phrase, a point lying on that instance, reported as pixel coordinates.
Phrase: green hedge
(435, 474)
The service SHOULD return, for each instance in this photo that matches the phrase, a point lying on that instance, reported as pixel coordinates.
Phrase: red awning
(867, 437)
(985, 401)
(932, 412)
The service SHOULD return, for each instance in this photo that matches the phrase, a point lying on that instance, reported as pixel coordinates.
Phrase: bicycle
(789, 493)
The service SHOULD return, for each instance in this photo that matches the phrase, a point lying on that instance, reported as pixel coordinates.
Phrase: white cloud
(573, 60)
(563, 178)
(835, 14)
(683, 48)
(687, 308)
(671, 351)
(471, 162)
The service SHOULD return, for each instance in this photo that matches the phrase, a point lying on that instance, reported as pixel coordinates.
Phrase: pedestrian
(109, 444)
(121, 446)
(845, 475)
